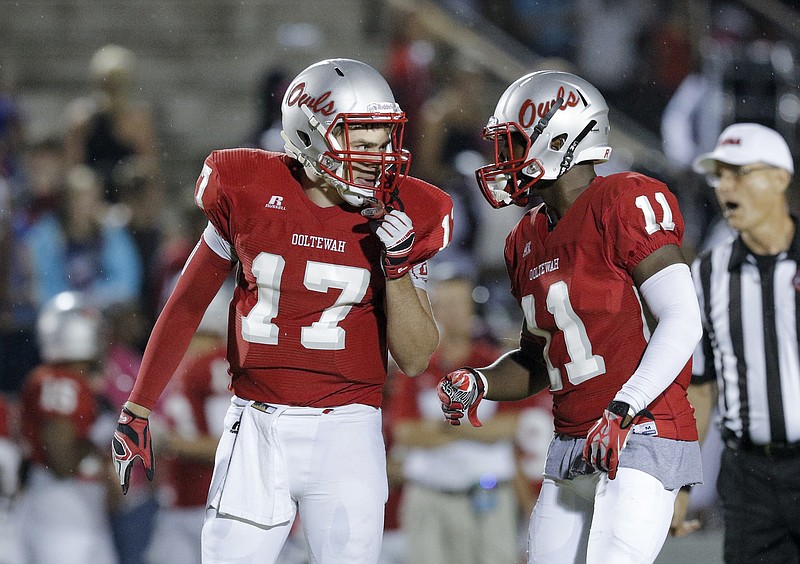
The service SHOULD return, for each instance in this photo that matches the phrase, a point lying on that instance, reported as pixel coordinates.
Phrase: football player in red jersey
(585, 265)
(62, 513)
(330, 241)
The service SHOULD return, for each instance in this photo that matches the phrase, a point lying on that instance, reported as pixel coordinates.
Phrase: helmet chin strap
(543, 122)
(566, 162)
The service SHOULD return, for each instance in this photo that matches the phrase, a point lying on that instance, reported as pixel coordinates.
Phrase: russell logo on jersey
(276, 203)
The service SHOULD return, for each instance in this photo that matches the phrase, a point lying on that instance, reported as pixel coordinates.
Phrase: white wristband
(485, 381)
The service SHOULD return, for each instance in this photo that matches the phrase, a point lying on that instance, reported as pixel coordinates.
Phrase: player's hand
(608, 437)
(460, 392)
(396, 232)
(680, 527)
(131, 441)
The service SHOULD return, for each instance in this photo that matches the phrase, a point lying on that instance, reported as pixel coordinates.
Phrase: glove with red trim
(608, 437)
(131, 441)
(396, 232)
(460, 392)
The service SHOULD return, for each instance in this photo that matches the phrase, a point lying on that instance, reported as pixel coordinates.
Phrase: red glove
(608, 437)
(396, 232)
(131, 440)
(461, 391)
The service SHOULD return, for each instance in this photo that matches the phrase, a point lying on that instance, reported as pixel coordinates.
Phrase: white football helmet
(544, 123)
(329, 98)
(69, 330)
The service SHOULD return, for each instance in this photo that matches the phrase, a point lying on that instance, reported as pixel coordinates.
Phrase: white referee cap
(746, 143)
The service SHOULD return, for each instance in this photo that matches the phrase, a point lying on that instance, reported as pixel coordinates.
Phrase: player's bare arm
(515, 375)
(702, 397)
(410, 327)
(656, 261)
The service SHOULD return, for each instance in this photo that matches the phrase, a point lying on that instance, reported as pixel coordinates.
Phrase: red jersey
(575, 287)
(51, 393)
(309, 325)
(200, 399)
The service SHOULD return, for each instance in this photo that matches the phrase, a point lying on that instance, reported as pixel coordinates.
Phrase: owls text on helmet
(544, 123)
(323, 105)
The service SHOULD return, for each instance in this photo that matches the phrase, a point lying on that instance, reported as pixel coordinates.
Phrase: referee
(749, 293)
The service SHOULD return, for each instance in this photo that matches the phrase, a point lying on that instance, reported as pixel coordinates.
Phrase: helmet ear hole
(305, 138)
(558, 142)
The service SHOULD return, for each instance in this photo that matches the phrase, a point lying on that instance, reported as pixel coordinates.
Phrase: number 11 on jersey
(583, 364)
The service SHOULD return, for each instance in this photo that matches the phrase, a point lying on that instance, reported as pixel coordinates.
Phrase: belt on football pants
(775, 450)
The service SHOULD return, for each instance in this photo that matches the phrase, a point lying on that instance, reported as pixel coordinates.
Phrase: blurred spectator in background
(695, 115)
(394, 547)
(132, 516)
(45, 169)
(612, 59)
(534, 433)
(12, 131)
(18, 349)
(458, 498)
(547, 26)
(141, 211)
(450, 121)
(448, 152)
(10, 465)
(690, 124)
(462, 188)
(409, 70)
(110, 125)
(669, 47)
(81, 247)
(62, 512)
(9, 450)
(193, 411)
(272, 87)
(178, 239)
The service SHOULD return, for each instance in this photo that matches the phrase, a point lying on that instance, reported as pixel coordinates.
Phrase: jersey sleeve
(518, 238)
(201, 279)
(431, 211)
(210, 193)
(642, 217)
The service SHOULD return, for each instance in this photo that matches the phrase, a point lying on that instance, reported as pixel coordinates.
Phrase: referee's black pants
(761, 501)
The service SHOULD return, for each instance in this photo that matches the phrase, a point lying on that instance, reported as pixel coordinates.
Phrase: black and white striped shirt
(751, 316)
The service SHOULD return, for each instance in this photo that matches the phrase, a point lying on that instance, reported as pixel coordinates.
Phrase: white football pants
(594, 520)
(335, 464)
